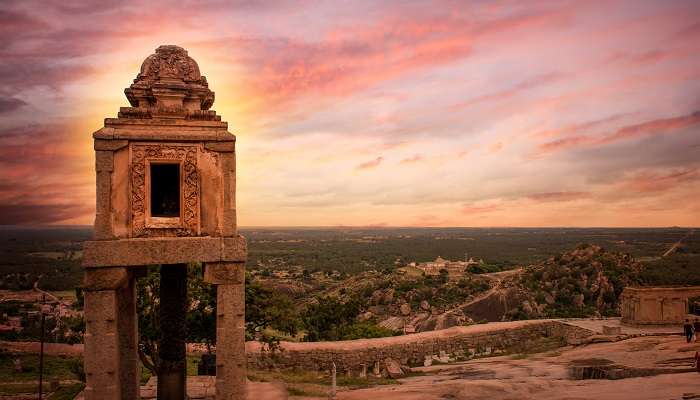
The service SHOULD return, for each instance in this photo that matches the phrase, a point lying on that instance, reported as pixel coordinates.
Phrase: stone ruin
(165, 196)
(657, 305)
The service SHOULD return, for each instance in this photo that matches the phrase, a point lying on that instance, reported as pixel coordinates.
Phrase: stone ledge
(151, 251)
(175, 134)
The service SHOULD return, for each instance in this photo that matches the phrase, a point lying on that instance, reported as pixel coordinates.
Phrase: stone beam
(151, 251)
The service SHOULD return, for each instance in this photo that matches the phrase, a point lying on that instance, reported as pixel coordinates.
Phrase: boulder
(388, 297)
(549, 298)
(393, 368)
(424, 305)
(405, 309)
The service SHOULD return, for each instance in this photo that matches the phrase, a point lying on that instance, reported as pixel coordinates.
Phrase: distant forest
(54, 253)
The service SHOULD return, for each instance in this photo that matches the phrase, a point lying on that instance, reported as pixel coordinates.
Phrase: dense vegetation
(679, 268)
(585, 282)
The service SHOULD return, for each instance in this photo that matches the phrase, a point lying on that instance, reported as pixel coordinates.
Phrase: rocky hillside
(585, 282)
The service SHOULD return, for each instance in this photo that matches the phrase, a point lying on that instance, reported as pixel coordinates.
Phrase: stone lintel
(166, 250)
(110, 144)
(163, 122)
(104, 133)
(109, 278)
(179, 135)
(224, 273)
(221, 147)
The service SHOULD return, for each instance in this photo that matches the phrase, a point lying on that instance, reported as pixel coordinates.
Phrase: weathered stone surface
(234, 249)
(230, 339)
(150, 251)
(219, 273)
(393, 368)
(413, 350)
(424, 305)
(611, 330)
(405, 309)
(110, 341)
(110, 145)
(104, 161)
(656, 305)
(109, 278)
(221, 147)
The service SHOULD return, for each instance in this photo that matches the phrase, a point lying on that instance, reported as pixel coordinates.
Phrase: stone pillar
(111, 335)
(173, 332)
(230, 328)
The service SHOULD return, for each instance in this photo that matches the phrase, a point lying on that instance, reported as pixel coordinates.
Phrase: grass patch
(62, 368)
(67, 392)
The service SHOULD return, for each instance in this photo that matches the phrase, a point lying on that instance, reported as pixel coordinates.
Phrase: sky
(377, 113)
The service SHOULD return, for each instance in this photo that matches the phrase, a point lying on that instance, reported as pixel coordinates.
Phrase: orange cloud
(558, 196)
(410, 160)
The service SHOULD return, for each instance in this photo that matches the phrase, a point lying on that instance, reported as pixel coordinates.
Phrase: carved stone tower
(165, 196)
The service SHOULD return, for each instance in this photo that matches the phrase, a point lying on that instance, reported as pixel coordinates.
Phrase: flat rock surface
(548, 375)
(202, 387)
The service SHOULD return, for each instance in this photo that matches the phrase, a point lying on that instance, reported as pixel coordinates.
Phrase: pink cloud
(371, 164)
(652, 181)
(649, 128)
(558, 196)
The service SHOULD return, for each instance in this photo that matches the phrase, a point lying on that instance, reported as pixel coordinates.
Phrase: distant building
(657, 305)
(452, 267)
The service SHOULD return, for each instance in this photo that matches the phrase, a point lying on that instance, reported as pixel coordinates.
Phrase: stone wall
(457, 343)
(656, 305)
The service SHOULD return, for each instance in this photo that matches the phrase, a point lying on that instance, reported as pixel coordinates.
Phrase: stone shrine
(165, 196)
(657, 305)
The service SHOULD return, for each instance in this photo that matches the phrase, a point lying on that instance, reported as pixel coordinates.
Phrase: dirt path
(678, 243)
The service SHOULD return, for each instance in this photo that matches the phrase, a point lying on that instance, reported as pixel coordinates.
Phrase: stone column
(111, 335)
(173, 332)
(230, 328)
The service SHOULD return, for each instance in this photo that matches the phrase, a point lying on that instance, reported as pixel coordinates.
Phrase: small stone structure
(456, 343)
(165, 196)
(656, 305)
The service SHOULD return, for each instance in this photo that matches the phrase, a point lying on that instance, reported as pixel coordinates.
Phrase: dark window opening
(165, 190)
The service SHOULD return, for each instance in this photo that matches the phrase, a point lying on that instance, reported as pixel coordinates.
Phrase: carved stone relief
(141, 155)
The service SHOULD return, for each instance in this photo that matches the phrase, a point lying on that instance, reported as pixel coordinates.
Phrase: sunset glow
(362, 113)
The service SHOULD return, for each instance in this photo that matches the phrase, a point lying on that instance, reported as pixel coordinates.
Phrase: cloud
(516, 90)
(10, 104)
(411, 160)
(471, 209)
(41, 214)
(654, 181)
(370, 164)
(558, 196)
(648, 128)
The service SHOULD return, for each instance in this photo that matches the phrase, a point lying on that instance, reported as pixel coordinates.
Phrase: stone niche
(165, 195)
